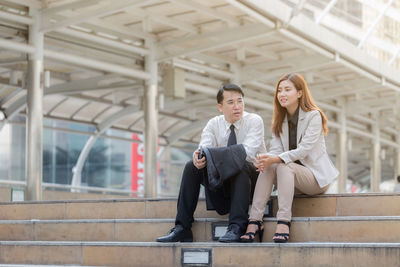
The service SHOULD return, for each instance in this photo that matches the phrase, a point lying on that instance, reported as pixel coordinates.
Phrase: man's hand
(199, 163)
(263, 161)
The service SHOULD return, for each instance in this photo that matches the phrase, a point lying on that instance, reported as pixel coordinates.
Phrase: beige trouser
(287, 177)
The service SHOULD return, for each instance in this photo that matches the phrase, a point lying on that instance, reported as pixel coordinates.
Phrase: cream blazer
(311, 149)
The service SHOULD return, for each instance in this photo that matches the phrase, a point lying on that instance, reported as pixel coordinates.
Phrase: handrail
(65, 186)
(90, 188)
(10, 182)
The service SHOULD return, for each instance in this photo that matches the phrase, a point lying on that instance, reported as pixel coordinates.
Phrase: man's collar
(237, 124)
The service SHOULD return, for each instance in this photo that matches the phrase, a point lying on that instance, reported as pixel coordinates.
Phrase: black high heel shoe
(252, 235)
(284, 235)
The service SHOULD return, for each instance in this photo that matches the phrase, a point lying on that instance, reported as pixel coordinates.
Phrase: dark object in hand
(201, 154)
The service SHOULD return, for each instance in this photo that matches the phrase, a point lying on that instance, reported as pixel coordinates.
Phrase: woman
(297, 158)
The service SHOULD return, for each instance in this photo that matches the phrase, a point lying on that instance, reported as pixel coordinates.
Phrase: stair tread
(218, 254)
(202, 244)
(334, 229)
(303, 206)
(171, 220)
(33, 265)
(346, 195)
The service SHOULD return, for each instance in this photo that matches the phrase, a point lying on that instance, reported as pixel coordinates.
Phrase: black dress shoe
(232, 235)
(177, 234)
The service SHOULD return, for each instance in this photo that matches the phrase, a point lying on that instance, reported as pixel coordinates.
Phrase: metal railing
(65, 186)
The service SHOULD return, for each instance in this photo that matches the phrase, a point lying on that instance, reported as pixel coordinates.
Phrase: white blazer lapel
(301, 124)
(285, 134)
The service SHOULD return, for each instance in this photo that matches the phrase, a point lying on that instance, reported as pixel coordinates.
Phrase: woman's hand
(263, 161)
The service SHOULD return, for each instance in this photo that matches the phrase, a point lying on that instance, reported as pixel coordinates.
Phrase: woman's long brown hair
(306, 103)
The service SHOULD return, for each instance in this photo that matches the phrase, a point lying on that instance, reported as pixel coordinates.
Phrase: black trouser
(232, 198)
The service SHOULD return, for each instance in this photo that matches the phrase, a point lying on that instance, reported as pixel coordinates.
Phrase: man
(234, 126)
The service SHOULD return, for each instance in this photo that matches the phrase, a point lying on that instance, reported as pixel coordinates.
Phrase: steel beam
(96, 64)
(113, 7)
(252, 13)
(77, 60)
(229, 37)
(16, 18)
(325, 11)
(103, 41)
(208, 11)
(30, 3)
(374, 24)
(77, 4)
(16, 46)
(394, 57)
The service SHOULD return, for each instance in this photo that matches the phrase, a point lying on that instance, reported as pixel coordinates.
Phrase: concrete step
(209, 254)
(311, 229)
(97, 209)
(37, 265)
(303, 206)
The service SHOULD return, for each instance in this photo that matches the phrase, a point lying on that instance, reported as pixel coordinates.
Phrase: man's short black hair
(228, 87)
(398, 178)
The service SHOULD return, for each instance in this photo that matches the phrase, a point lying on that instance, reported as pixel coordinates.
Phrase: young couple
(235, 156)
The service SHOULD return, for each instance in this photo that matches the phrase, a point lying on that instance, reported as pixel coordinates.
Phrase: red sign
(137, 166)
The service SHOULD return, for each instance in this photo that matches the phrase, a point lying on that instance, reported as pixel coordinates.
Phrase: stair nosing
(203, 244)
(171, 220)
(111, 200)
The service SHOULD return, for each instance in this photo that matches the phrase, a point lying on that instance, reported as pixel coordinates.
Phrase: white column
(34, 120)
(375, 159)
(151, 126)
(341, 155)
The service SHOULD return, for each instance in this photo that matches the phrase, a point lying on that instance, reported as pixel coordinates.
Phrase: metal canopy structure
(105, 62)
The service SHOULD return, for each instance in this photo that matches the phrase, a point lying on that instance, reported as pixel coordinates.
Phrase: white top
(249, 132)
(311, 149)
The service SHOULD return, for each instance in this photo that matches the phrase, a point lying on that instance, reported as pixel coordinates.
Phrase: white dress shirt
(249, 132)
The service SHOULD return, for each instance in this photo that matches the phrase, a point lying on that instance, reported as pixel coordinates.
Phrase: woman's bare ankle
(281, 228)
(251, 227)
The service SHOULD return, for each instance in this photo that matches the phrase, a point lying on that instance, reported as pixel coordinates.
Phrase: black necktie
(232, 136)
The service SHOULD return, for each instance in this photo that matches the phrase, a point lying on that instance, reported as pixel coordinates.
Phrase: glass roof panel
(372, 25)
